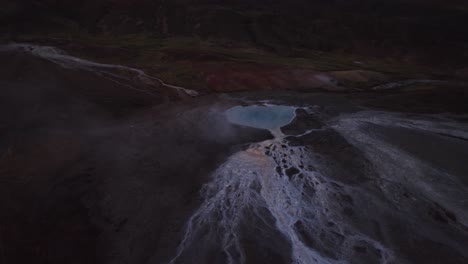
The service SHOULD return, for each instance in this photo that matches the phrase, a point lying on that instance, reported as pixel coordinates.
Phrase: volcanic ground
(105, 163)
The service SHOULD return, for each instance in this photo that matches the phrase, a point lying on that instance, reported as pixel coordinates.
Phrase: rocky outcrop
(302, 123)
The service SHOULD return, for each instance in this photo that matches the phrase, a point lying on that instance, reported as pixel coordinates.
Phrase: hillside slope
(410, 29)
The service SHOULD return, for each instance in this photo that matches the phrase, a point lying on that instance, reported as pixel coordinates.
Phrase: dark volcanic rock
(291, 171)
(335, 157)
(301, 123)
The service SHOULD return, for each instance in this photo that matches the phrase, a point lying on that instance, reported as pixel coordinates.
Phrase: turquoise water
(266, 117)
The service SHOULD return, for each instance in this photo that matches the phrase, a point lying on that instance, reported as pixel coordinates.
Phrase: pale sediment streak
(253, 186)
(108, 71)
(396, 85)
(430, 123)
(397, 165)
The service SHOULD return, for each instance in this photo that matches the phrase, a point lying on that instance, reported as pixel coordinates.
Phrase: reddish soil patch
(230, 77)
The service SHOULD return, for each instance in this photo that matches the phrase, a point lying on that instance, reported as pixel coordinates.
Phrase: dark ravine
(97, 171)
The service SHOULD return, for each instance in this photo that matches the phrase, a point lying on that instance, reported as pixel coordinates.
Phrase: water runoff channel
(268, 193)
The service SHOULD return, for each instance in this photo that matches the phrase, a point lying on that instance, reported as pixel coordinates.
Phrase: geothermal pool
(259, 116)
